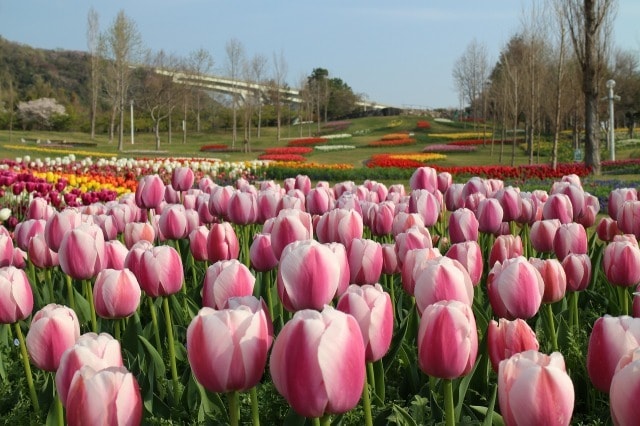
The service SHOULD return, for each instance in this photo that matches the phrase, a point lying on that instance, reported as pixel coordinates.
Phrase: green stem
(551, 327)
(573, 311)
(27, 367)
(267, 289)
(623, 295)
(378, 373)
(449, 412)
(116, 329)
(154, 321)
(234, 408)
(325, 420)
(89, 291)
(60, 411)
(47, 276)
(255, 412)
(72, 299)
(172, 348)
(366, 400)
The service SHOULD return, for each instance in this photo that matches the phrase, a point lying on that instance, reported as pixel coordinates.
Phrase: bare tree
(93, 35)
(561, 34)
(235, 57)
(589, 24)
(626, 73)
(199, 63)
(279, 77)
(122, 49)
(470, 73)
(258, 66)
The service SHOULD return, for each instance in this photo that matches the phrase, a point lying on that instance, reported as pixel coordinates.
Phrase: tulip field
(197, 292)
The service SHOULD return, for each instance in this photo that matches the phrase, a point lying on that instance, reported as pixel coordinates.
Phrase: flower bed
(298, 150)
(338, 136)
(448, 148)
(216, 147)
(459, 135)
(334, 147)
(311, 141)
(423, 125)
(403, 160)
(282, 157)
(392, 142)
(395, 136)
(468, 142)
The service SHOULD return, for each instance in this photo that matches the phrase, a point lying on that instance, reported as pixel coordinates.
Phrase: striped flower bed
(306, 141)
(448, 148)
(290, 150)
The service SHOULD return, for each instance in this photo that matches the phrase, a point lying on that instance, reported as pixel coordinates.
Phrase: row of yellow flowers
(47, 150)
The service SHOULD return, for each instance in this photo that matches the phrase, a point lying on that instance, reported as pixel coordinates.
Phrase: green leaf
(156, 359)
(490, 415)
(82, 307)
(294, 419)
(402, 417)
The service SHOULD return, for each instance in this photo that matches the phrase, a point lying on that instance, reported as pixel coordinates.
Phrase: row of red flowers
(423, 125)
(214, 147)
(306, 141)
(289, 150)
(282, 157)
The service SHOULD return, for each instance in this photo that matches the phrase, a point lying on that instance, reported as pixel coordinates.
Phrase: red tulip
(308, 275)
(365, 261)
(577, 268)
(535, 389)
(542, 234)
(554, 278)
(54, 328)
(16, 297)
(515, 289)
(507, 338)
(222, 242)
(182, 178)
(469, 254)
(116, 293)
(81, 253)
(227, 349)
(621, 263)
(440, 279)
(570, 238)
(137, 231)
(173, 222)
(40, 254)
(93, 350)
(225, 279)
(318, 362)
(489, 215)
(150, 192)
(505, 247)
(463, 226)
(160, 271)
(107, 397)
(447, 340)
(290, 225)
(371, 306)
(610, 339)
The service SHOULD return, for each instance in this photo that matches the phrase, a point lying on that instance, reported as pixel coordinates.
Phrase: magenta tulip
(447, 340)
(116, 293)
(54, 329)
(150, 192)
(506, 338)
(424, 178)
(542, 234)
(365, 261)
(515, 289)
(16, 297)
(505, 247)
(96, 351)
(225, 279)
(308, 276)
(469, 254)
(182, 178)
(577, 268)
(81, 253)
(222, 242)
(440, 279)
(489, 215)
(318, 362)
(535, 389)
(110, 396)
(227, 349)
(570, 238)
(610, 339)
(160, 271)
(371, 306)
(290, 225)
(621, 263)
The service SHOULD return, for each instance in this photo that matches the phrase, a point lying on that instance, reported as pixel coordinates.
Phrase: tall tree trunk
(121, 126)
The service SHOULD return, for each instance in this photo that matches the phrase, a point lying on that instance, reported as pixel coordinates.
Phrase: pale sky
(398, 53)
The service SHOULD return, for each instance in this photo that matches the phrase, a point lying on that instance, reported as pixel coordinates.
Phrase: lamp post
(132, 122)
(612, 139)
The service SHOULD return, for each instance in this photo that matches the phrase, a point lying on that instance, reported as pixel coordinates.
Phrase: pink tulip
(621, 263)
(132, 260)
(624, 387)
(414, 261)
(137, 231)
(26, 230)
(440, 279)
(340, 226)
(58, 224)
(607, 228)
(506, 338)
(558, 206)
(19, 258)
(242, 208)
(261, 254)
(227, 349)
(371, 306)
(610, 339)
(489, 215)
(403, 221)
(617, 197)
(290, 225)
(542, 234)
(511, 203)
(303, 183)
(389, 259)
(225, 279)
(445, 180)
(39, 209)
(424, 178)
(469, 254)
(570, 238)
(173, 222)
(476, 185)
(505, 247)
(453, 197)
(319, 201)
(16, 297)
(160, 271)
(107, 224)
(81, 253)
(268, 200)
(629, 218)
(447, 340)
(365, 261)
(590, 211)
(171, 196)
(96, 351)
(219, 200)
(54, 328)
(463, 226)
(6, 250)
(40, 254)
(122, 214)
(535, 389)
(380, 218)
(308, 275)
(413, 238)
(116, 293)
(515, 289)
(198, 243)
(182, 178)
(577, 268)
(576, 196)
(318, 362)
(222, 242)
(115, 254)
(150, 192)
(343, 262)
(110, 396)
(426, 204)
(554, 278)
